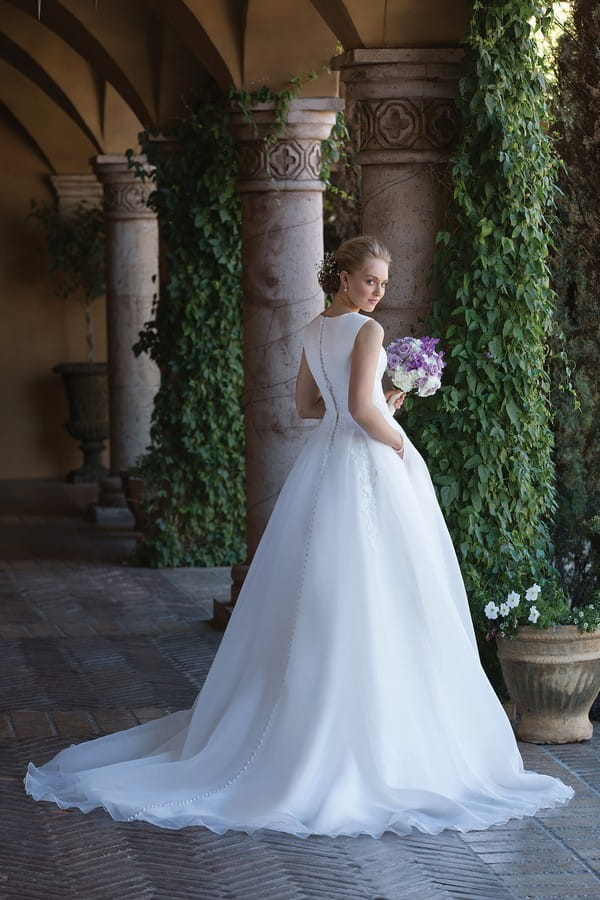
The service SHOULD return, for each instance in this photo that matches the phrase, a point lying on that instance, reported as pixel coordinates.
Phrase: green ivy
(576, 271)
(75, 245)
(334, 149)
(487, 433)
(244, 101)
(195, 463)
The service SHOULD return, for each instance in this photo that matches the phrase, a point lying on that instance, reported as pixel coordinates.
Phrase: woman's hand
(399, 447)
(394, 399)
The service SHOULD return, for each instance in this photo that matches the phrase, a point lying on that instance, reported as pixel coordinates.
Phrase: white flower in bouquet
(415, 365)
(405, 381)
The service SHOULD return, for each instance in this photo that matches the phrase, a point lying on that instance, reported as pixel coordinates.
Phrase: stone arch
(61, 140)
(31, 69)
(97, 50)
(211, 30)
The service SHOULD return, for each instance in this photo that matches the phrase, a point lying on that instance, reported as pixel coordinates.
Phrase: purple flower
(414, 364)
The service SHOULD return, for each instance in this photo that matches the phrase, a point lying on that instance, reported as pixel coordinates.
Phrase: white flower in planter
(533, 615)
(532, 593)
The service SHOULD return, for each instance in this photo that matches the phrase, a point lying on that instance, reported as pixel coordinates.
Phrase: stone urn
(86, 385)
(553, 675)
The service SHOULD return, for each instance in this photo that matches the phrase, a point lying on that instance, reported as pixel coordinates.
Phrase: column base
(112, 509)
(222, 609)
(111, 517)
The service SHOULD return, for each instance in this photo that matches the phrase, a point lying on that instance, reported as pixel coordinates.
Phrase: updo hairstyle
(349, 257)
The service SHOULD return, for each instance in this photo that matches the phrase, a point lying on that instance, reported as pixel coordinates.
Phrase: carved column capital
(405, 101)
(292, 161)
(125, 195)
(76, 188)
(409, 125)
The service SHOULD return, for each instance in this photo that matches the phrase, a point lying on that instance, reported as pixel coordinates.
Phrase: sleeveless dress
(346, 696)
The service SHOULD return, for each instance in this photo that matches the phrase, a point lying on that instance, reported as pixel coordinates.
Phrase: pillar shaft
(132, 267)
(408, 128)
(282, 243)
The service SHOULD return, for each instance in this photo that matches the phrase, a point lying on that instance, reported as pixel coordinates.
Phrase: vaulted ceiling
(81, 77)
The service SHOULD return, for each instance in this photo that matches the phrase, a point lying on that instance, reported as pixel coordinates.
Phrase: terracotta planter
(553, 675)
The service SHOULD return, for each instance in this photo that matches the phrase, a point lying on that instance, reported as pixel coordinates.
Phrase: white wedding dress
(346, 696)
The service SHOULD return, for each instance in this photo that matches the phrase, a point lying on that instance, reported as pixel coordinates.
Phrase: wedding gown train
(346, 696)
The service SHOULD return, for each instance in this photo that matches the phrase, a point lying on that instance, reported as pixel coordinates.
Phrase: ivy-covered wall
(487, 433)
(195, 464)
(576, 271)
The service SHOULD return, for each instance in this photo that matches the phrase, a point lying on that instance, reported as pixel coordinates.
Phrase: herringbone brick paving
(89, 644)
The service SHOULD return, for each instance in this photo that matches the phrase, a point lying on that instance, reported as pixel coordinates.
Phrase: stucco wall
(37, 328)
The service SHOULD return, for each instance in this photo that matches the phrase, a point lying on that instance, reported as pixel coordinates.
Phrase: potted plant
(75, 248)
(549, 653)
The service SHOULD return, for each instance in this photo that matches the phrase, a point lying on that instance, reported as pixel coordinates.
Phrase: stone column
(131, 285)
(282, 243)
(408, 124)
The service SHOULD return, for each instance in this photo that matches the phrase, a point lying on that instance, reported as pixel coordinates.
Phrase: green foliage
(487, 432)
(576, 271)
(245, 101)
(341, 174)
(75, 246)
(542, 605)
(333, 148)
(195, 463)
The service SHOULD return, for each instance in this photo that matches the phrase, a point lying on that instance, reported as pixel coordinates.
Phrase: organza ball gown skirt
(346, 696)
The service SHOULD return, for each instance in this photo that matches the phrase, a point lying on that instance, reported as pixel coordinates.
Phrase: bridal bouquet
(415, 365)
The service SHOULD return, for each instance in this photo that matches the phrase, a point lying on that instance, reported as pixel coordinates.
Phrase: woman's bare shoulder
(370, 331)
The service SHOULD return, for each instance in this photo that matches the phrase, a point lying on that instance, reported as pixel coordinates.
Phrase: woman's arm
(309, 403)
(365, 358)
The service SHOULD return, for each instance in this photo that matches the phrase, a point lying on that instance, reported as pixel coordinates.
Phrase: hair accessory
(328, 268)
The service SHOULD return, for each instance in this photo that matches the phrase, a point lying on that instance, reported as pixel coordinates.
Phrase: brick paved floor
(90, 644)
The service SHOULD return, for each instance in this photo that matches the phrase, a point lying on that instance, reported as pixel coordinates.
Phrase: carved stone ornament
(408, 124)
(122, 198)
(286, 160)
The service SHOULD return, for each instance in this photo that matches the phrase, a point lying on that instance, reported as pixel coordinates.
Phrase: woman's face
(364, 288)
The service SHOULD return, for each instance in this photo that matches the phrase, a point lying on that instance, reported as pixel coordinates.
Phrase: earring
(346, 288)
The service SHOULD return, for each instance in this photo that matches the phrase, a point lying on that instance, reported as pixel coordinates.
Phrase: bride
(346, 696)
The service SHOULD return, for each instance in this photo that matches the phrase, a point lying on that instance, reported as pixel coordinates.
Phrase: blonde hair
(349, 257)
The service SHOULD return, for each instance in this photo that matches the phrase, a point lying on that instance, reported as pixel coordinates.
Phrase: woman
(346, 696)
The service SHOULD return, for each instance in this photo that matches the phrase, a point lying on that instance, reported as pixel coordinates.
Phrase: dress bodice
(328, 346)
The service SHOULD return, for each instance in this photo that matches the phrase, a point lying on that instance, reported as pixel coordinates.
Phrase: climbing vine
(576, 271)
(334, 149)
(339, 171)
(75, 246)
(195, 462)
(487, 432)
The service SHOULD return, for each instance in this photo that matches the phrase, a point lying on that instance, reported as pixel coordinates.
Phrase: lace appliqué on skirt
(367, 477)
